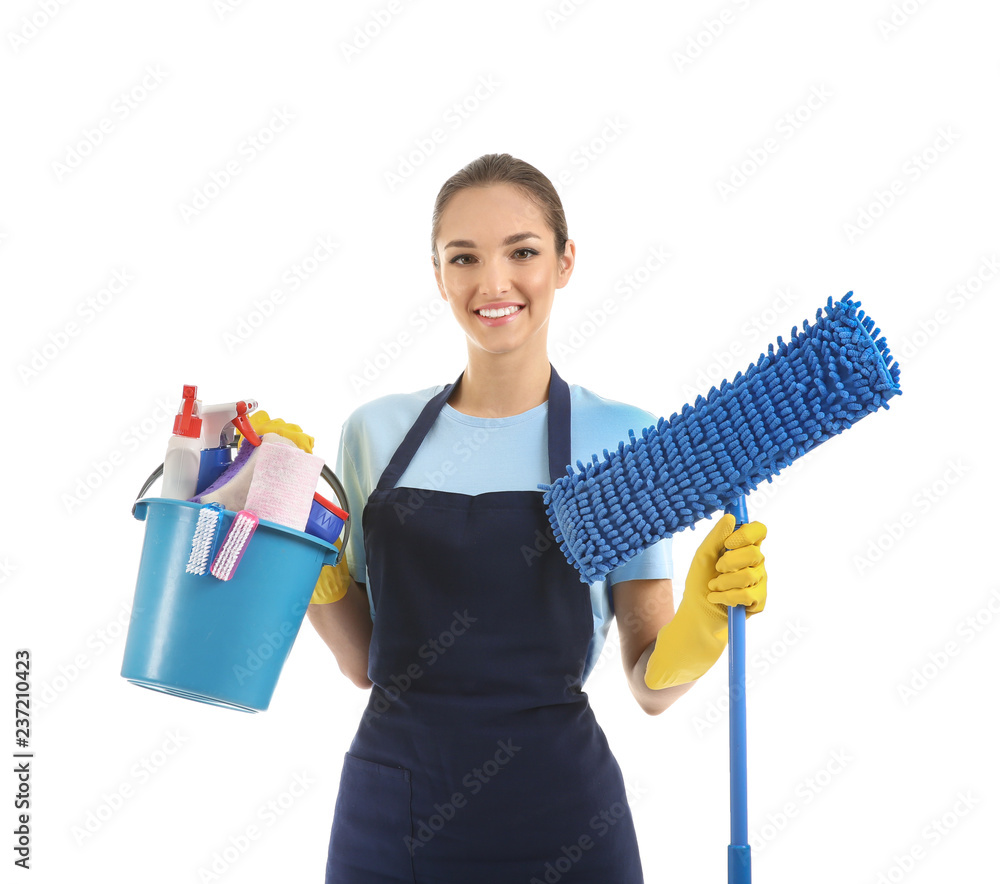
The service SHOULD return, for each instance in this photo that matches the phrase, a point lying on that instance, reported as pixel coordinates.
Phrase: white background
(880, 543)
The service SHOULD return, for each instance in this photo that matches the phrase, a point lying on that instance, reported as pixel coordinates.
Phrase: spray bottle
(218, 432)
(183, 457)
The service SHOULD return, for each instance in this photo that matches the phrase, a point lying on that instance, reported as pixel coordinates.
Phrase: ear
(566, 264)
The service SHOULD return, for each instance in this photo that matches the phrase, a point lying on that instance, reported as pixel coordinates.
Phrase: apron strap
(559, 449)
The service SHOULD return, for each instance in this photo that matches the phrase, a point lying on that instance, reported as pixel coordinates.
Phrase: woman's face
(496, 251)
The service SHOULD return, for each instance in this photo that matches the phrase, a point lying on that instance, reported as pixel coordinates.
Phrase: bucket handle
(330, 477)
(327, 474)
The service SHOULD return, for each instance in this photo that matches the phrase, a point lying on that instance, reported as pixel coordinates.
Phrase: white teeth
(496, 314)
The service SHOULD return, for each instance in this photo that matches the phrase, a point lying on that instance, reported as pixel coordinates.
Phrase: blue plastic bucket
(216, 641)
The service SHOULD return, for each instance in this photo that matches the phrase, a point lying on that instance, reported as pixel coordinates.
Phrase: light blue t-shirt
(473, 455)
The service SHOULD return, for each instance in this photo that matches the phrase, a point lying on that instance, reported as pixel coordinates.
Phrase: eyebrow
(510, 240)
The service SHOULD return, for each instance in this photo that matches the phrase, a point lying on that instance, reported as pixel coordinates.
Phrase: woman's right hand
(333, 582)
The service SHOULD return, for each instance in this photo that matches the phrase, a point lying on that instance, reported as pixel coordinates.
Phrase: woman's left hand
(727, 570)
(742, 579)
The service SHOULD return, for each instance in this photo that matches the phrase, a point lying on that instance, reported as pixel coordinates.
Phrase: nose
(494, 278)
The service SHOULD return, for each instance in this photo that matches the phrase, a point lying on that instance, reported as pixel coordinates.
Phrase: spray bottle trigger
(242, 422)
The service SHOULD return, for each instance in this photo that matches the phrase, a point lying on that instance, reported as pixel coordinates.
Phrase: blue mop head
(799, 394)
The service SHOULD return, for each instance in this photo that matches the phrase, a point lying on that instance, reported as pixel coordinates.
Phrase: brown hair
(502, 168)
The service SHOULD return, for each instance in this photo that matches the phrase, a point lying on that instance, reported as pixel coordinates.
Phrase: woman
(478, 758)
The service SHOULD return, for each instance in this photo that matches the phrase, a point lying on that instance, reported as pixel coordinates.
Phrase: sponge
(808, 389)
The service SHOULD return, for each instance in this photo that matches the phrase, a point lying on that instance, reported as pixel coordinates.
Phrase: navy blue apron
(478, 759)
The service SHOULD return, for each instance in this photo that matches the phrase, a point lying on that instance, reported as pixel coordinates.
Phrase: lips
(502, 318)
(499, 305)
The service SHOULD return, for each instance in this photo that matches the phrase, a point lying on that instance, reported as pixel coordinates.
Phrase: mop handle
(739, 848)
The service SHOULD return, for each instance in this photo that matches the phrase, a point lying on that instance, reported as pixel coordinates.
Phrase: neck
(502, 385)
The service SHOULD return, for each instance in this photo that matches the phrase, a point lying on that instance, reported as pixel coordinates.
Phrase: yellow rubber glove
(333, 582)
(728, 569)
(263, 423)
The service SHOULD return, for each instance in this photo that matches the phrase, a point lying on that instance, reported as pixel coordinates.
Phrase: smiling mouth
(498, 313)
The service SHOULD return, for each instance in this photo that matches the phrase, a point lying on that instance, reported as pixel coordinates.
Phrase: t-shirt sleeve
(357, 496)
(655, 561)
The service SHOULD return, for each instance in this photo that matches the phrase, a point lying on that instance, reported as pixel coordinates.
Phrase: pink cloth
(231, 488)
(284, 481)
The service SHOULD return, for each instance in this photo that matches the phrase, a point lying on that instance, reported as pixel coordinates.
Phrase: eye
(459, 259)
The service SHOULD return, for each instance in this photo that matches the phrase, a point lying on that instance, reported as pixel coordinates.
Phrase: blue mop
(817, 384)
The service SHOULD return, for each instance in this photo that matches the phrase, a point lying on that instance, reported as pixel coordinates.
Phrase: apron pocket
(370, 838)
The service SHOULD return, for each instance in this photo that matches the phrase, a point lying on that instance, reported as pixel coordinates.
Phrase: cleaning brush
(801, 392)
(206, 538)
(235, 544)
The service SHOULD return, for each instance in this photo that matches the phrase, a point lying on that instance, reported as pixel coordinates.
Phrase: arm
(727, 570)
(339, 609)
(641, 608)
(346, 627)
